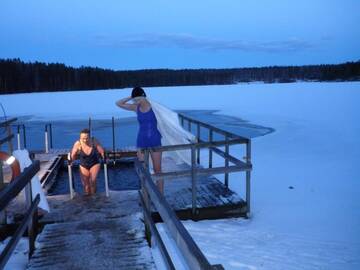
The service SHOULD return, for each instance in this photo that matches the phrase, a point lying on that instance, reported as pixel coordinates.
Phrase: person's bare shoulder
(76, 144)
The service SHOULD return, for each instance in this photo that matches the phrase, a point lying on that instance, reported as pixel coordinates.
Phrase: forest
(17, 76)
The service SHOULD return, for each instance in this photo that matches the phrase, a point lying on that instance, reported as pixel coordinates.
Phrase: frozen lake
(312, 145)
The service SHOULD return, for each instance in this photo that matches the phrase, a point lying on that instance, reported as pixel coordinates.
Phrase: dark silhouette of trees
(17, 76)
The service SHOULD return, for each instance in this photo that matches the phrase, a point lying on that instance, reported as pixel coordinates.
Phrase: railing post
(106, 178)
(189, 125)
(90, 127)
(145, 195)
(24, 134)
(46, 139)
(8, 128)
(226, 176)
(31, 232)
(18, 137)
(210, 151)
(182, 120)
(113, 133)
(51, 139)
(70, 177)
(146, 159)
(198, 139)
(248, 174)
(193, 180)
(2, 212)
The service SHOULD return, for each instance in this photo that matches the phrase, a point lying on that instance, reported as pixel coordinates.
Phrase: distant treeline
(17, 76)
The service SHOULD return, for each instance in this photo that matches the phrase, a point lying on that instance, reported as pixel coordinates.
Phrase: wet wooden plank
(214, 199)
(93, 232)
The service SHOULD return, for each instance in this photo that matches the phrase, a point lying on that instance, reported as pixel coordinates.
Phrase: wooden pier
(111, 232)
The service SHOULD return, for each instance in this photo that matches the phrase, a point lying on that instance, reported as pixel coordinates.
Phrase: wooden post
(210, 151)
(31, 232)
(198, 139)
(18, 137)
(2, 213)
(10, 146)
(146, 199)
(46, 140)
(50, 133)
(24, 136)
(248, 174)
(34, 224)
(193, 180)
(90, 127)
(146, 159)
(113, 133)
(226, 175)
(189, 125)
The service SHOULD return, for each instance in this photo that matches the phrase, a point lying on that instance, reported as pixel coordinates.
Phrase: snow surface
(315, 149)
(19, 257)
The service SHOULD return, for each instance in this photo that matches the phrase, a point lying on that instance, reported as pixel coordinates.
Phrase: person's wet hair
(85, 131)
(138, 92)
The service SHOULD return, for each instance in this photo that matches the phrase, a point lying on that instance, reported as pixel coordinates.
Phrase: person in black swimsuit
(89, 152)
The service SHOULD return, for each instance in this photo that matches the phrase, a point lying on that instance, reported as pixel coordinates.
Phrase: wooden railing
(150, 195)
(30, 219)
(228, 137)
(6, 125)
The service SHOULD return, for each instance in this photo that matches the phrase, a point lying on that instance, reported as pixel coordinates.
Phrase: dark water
(66, 132)
(121, 177)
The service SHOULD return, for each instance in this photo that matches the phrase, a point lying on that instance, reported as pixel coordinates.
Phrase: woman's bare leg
(156, 159)
(85, 179)
(140, 155)
(94, 170)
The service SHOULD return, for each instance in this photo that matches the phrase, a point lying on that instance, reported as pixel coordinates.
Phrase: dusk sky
(180, 34)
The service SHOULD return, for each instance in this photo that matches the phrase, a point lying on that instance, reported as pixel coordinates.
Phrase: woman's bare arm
(122, 103)
(75, 150)
(99, 148)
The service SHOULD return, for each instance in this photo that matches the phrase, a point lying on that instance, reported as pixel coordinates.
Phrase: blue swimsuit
(149, 135)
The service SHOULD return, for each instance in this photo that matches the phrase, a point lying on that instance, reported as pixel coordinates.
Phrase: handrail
(6, 139)
(7, 122)
(30, 219)
(216, 129)
(191, 252)
(223, 154)
(6, 253)
(197, 145)
(15, 186)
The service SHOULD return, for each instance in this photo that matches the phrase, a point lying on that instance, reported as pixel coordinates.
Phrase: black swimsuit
(87, 161)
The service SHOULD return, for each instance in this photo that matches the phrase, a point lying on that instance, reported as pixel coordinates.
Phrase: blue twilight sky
(141, 34)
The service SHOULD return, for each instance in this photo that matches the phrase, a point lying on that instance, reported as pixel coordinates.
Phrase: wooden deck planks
(93, 232)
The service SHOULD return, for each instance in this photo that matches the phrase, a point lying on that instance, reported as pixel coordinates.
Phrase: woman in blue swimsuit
(148, 135)
(89, 152)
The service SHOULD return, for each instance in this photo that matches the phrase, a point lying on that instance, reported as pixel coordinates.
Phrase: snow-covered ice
(305, 181)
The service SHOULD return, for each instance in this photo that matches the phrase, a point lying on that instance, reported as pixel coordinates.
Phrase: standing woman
(148, 135)
(88, 150)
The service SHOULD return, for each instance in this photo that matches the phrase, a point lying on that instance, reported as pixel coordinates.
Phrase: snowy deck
(93, 233)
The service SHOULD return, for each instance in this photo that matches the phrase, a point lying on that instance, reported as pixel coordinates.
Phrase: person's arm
(99, 148)
(122, 103)
(75, 150)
